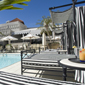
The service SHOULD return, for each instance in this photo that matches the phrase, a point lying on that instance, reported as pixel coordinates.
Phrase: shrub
(53, 45)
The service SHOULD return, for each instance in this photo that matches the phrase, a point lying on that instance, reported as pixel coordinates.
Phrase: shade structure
(43, 39)
(8, 38)
(61, 17)
(29, 37)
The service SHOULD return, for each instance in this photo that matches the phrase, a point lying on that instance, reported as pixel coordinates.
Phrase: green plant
(45, 22)
(8, 4)
(53, 45)
(9, 45)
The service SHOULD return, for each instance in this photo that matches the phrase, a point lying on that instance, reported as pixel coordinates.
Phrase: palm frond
(43, 31)
(23, 4)
(5, 7)
(7, 4)
(45, 23)
(16, 8)
(18, 1)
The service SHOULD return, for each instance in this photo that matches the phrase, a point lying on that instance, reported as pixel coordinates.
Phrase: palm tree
(8, 4)
(45, 22)
(44, 30)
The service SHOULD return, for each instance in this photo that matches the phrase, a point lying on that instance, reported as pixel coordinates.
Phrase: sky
(32, 13)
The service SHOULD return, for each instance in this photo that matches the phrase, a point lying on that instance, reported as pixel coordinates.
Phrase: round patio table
(73, 63)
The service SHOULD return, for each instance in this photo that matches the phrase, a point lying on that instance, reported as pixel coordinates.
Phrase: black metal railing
(47, 67)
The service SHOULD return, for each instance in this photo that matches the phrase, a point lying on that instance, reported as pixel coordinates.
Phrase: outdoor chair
(24, 46)
(16, 47)
(21, 47)
(10, 48)
(11, 79)
(28, 48)
(13, 49)
(62, 51)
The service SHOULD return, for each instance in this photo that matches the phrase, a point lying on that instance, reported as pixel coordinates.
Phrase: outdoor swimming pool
(7, 59)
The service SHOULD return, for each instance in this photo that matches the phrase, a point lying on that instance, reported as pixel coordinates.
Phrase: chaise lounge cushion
(13, 79)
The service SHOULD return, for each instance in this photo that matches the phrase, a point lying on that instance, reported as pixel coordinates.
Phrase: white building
(14, 25)
(16, 28)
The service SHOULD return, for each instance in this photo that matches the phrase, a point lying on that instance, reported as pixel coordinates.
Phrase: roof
(16, 19)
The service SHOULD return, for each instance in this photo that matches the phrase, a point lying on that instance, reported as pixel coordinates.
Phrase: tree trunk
(48, 34)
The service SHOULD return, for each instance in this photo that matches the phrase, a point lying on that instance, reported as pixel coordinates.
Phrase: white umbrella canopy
(8, 38)
(29, 37)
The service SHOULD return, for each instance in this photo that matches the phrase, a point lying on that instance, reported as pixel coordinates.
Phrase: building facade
(10, 26)
(17, 29)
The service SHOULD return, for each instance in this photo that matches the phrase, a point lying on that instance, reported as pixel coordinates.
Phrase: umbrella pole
(23, 39)
(9, 42)
(30, 41)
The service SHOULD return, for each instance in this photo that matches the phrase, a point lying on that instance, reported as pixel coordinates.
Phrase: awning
(61, 17)
(33, 31)
(20, 32)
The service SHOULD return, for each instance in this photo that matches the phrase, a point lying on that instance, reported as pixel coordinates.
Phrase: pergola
(73, 25)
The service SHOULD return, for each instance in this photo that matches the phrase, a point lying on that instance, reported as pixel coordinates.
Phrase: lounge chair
(62, 51)
(13, 49)
(14, 79)
(24, 46)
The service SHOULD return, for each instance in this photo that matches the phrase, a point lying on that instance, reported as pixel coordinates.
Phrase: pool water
(7, 59)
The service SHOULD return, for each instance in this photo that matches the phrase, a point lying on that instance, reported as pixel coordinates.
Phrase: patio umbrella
(9, 39)
(29, 37)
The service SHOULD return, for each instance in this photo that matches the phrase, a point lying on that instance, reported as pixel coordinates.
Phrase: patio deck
(16, 68)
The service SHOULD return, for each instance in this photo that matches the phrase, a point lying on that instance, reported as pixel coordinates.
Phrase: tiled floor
(16, 68)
